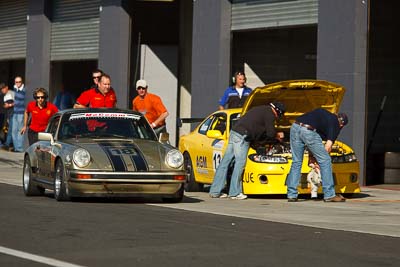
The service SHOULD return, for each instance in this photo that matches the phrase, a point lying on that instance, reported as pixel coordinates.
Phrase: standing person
(96, 75)
(8, 104)
(63, 99)
(2, 117)
(18, 116)
(235, 96)
(41, 112)
(310, 130)
(256, 125)
(101, 97)
(151, 106)
(314, 176)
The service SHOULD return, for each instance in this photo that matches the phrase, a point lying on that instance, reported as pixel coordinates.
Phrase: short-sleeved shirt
(40, 116)
(232, 99)
(150, 106)
(93, 98)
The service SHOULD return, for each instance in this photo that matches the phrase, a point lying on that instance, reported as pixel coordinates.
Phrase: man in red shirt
(41, 111)
(101, 97)
(151, 106)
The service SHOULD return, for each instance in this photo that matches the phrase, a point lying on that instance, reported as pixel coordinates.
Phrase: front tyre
(60, 189)
(191, 185)
(29, 186)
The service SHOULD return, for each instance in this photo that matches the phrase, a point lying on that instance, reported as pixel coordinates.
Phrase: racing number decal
(122, 151)
(217, 156)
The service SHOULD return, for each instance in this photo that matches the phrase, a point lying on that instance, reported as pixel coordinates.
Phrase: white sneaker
(240, 197)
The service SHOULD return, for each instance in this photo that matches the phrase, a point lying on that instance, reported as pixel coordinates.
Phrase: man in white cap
(151, 106)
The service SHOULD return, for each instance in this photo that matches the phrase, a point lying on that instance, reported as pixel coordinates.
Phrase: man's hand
(328, 146)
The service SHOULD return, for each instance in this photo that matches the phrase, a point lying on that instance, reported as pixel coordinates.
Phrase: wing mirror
(214, 134)
(46, 137)
(163, 138)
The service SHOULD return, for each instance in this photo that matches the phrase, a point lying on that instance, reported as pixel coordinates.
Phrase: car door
(45, 152)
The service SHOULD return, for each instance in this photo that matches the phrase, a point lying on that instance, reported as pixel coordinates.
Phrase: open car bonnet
(299, 97)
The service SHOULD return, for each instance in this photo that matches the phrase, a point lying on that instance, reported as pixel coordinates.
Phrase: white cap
(141, 83)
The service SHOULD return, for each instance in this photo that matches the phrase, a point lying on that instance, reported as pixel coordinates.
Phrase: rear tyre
(176, 198)
(60, 189)
(191, 185)
(29, 186)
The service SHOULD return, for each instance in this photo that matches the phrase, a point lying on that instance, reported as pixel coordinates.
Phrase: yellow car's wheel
(191, 184)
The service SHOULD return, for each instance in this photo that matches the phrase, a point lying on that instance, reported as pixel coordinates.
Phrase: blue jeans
(9, 133)
(18, 139)
(237, 149)
(299, 138)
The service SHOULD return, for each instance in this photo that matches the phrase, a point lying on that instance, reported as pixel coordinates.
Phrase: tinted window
(110, 125)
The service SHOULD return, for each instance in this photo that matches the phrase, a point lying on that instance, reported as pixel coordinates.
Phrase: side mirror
(214, 134)
(163, 138)
(46, 137)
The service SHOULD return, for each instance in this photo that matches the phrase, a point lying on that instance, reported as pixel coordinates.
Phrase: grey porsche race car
(103, 152)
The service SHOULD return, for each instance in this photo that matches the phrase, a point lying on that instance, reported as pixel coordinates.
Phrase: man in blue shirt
(235, 96)
(18, 116)
(310, 130)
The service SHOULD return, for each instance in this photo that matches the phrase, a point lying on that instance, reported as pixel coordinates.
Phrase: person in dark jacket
(256, 124)
(310, 130)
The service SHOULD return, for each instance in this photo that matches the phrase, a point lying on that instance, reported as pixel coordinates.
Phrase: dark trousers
(32, 136)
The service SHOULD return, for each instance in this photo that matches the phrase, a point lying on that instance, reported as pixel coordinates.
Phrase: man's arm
(26, 115)
(161, 118)
(77, 105)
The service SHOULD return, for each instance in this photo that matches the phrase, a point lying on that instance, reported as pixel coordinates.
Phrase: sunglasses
(96, 77)
(40, 97)
(18, 81)
(141, 88)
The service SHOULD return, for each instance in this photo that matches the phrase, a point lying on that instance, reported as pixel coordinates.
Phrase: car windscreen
(105, 125)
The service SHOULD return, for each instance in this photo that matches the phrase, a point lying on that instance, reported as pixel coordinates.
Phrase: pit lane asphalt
(375, 211)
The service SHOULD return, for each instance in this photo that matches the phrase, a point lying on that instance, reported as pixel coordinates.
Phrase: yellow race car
(268, 164)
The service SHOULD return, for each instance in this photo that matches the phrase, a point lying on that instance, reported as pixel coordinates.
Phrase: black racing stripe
(116, 159)
(139, 160)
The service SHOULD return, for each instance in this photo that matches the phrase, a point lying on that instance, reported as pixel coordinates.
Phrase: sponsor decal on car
(97, 115)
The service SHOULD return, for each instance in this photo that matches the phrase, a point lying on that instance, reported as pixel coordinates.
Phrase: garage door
(75, 30)
(13, 29)
(259, 14)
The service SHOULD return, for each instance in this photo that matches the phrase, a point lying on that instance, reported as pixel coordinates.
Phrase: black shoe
(5, 147)
(292, 199)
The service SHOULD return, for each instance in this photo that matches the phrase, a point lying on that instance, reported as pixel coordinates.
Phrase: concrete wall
(211, 48)
(342, 58)
(159, 67)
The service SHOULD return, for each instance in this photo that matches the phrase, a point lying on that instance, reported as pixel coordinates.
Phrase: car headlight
(174, 159)
(81, 157)
(344, 158)
(268, 159)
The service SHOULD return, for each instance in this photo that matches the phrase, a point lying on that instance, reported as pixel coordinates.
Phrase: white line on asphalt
(36, 258)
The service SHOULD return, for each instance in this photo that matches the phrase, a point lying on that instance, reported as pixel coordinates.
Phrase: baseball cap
(141, 83)
(343, 118)
(278, 107)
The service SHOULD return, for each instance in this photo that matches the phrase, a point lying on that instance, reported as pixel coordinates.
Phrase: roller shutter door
(13, 29)
(75, 30)
(259, 14)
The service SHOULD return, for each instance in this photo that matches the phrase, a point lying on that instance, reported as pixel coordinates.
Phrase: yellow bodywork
(205, 145)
